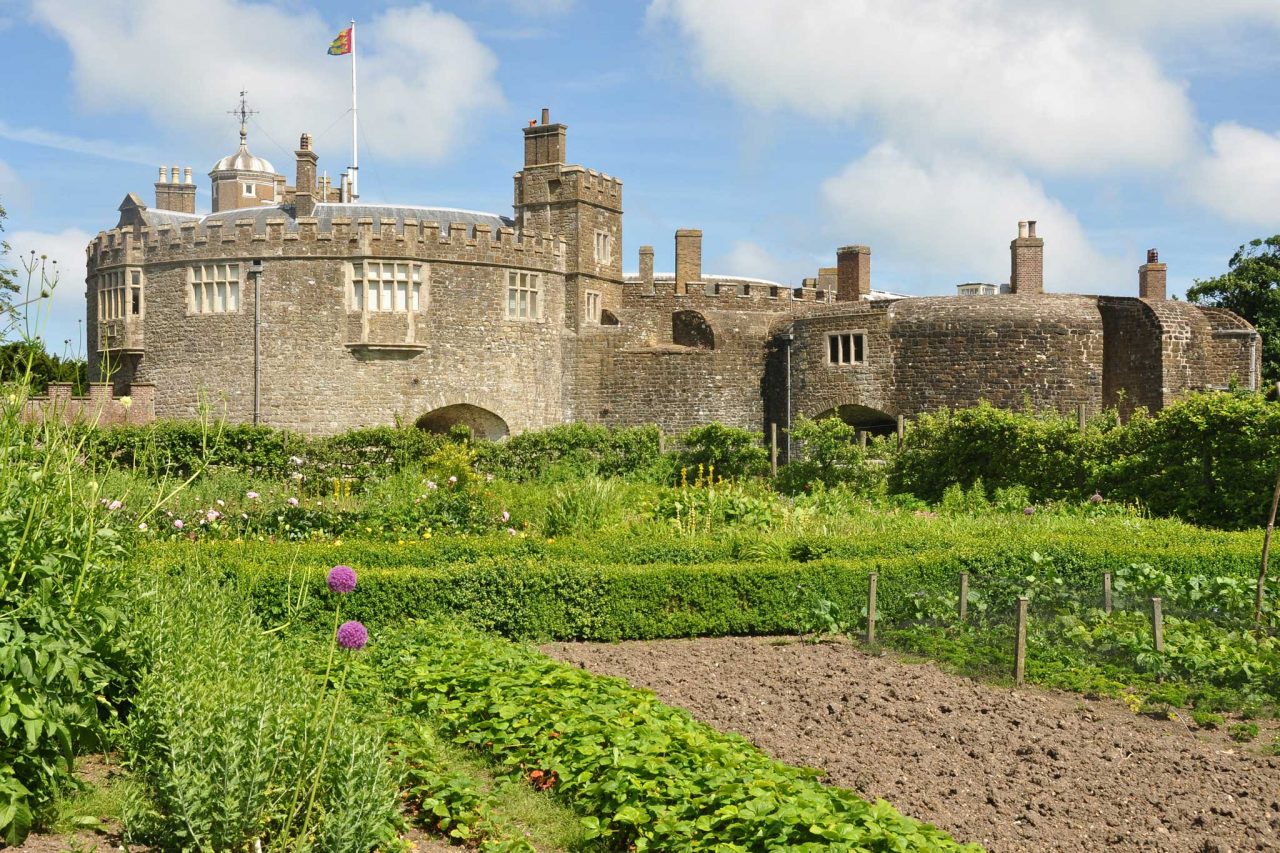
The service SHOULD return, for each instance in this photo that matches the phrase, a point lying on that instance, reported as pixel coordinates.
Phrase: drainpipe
(786, 340)
(255, 270)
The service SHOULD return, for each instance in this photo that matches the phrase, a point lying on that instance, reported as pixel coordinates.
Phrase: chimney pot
(163, 175)
(1153, 256)
(174, 180)
(1022, 228)
(1031, 228)
(546, 116)
(186, 175)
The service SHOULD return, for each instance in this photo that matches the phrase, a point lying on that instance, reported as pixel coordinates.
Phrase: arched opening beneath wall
(866, 418)
(482, 422)
(608, 318)
(691, 329)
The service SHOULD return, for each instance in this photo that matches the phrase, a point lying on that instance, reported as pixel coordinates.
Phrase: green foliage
(579, 507)
(231, 732)
(830, 455)
(649, 776)
(64, 643)
(1243, 732)
(30, 360)
(1207, 719)
(1048, 455)
(1250, 288)
(1210, 459)
(724, 452)
(571, 451)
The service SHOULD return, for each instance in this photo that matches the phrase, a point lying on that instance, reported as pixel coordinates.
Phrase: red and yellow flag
(342, 44)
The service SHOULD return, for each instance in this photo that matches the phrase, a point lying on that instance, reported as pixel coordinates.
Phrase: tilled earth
(1014, 770)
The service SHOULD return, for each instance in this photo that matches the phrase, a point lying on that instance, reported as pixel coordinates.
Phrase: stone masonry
(297, 306)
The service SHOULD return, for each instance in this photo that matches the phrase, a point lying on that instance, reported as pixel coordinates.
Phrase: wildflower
(1029, 510)
(177, 523)
(296, 475)
(244, 516)
(293, 501)
(213, 515)
(352, 635)
(114, 505)
(431, 484)
(342, 579)
(506, 516)
(427, 535)
(295, 460)
(220, 502)
(453, 481)
(126, 402)
(511, 531)
(253, 496)
(1096, 498)
(143, 527)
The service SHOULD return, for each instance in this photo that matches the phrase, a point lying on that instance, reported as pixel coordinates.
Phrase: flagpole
(355, 126)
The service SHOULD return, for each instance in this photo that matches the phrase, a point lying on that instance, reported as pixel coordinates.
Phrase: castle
(298, 306)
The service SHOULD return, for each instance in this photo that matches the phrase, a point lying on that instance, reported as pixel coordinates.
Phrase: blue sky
(782, 128)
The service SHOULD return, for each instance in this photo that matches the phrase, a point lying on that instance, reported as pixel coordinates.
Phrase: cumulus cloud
(1047, 87)
(103, 148)
(958, 214)
(423, 73)
(751, 260)
(1240, 179)
(54, 319)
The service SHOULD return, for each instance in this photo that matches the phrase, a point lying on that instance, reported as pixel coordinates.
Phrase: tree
(1250, 288)
(7, 285)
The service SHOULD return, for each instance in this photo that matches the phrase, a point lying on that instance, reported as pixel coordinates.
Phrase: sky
(925, 129)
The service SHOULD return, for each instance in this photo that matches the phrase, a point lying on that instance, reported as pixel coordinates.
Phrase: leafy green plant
(579, 507)
(1243, 732)
(725, 452)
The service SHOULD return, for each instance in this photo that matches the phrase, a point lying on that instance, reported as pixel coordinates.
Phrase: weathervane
(243, 112)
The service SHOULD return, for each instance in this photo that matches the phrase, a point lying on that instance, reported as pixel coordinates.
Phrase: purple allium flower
(253, 496)
(114, 505)
(213, 515)
(506, 516)
(177, 523)
(342, 579)
(1096, 498)
(431, 484)
(352, 635)
(1029, 510)
(453, 481)
(292, 501)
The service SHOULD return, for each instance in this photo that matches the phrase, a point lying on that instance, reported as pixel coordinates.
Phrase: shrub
(832, 456)
(579, 507)
(571, 451)
(728, 451)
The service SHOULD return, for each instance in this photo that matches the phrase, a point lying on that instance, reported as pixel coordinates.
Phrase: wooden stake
(964, 595)
(662, 442)
(773, 449)
(1266, 552)
(862, 439)
(902, 430)
(1080, 417)
(871, 607)
(1106, 593)
(1020, 650)
(1157, 624)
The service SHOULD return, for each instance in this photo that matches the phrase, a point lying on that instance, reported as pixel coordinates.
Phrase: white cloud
(1143, 17)
(751, 260)
(1240, 179)
(423, 73)
(103, 148)
(958, 214)
(54, 319)
(1047, 87)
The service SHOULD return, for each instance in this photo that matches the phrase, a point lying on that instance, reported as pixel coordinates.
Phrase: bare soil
(1013, 770)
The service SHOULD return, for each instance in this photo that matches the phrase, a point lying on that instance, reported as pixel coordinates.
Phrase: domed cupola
(243, 179)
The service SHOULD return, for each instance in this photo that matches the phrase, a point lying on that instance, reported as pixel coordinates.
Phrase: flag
(341, 46)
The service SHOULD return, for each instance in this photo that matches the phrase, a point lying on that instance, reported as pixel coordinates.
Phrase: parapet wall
(252, 238)
(100, 407)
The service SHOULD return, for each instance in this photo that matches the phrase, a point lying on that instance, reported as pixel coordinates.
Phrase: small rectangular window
(524, 290)
(136, 296)
(592, 307)
(604, 247)
(250, 190)
(846, 348)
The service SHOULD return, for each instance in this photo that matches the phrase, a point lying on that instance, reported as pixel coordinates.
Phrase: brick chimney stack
(544, 143)
(688, 258)
(305, 184)
(174, 193)
(853, 273)
(1026, 270)
(646, 268)
(1152, 277)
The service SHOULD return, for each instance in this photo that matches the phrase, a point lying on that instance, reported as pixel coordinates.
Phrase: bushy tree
(1250, 288)
(733, 452)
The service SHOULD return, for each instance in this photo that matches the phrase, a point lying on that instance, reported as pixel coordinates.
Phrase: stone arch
(608, 318)
(691, 329)
(862, 417)
(482, 422)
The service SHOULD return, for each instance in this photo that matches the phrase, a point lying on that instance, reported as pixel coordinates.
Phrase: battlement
(728, 293)
(100, 407)
(341, 236)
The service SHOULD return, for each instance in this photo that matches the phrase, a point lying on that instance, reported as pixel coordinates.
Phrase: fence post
(1157, 624)
(773, 449)
(662, 442)
(862, 439)
(902, 430)
(871, 607)
(964, 595)
(1106, 593)
(1020, 650)
(1080, 417)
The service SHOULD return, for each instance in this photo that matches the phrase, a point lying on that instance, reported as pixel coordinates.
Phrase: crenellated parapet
(341, 237)
(725, 293)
